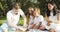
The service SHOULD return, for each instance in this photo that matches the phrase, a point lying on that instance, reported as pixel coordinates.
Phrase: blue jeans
(1, 29)
(5, 25)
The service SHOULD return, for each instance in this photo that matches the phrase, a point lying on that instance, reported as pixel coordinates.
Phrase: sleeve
(41, 18)
(9, 21)
(9, 17)
(21, 12)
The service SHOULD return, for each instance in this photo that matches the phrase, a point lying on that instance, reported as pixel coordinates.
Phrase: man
(13, 18)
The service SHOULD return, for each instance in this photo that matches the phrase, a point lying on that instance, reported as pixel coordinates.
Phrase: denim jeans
(5, 26)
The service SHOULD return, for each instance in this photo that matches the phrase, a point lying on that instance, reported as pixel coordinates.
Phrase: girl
(30, 18)
(38, 20)
(51, 15)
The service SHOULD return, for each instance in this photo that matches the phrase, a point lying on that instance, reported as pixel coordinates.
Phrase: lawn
(3, 19)
(20, 23)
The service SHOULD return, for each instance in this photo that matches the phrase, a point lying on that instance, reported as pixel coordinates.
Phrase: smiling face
(50, 7)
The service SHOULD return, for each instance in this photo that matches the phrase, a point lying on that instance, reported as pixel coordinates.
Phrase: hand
(41, 28)
(22, 28)
(31, 26)
(48, 23)
(36, 26)
(25, 25)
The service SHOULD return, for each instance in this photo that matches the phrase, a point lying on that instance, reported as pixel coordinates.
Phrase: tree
(6, 5)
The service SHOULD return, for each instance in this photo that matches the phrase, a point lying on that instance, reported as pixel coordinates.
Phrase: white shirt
(52, 18)
(31, 20)
(38, 19)
(14, 18)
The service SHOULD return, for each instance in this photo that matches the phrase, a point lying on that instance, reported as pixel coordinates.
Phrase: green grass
(3, 19)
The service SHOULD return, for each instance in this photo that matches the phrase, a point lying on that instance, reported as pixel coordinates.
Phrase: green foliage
(6, 5)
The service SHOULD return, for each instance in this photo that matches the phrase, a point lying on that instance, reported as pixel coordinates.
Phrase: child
(30, 18)
(38, 20)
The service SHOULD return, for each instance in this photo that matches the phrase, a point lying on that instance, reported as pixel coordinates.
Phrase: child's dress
(37, 20)
(30, 21)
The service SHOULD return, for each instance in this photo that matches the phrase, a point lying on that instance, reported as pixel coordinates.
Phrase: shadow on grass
(2, 18)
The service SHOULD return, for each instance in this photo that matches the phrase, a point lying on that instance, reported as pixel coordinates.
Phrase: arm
(58, 16)
(37, 25)
(25, 23)
(24, 17)
(27, 20)
(32, 26)
(40, 20)
(13, 25)
(47, 19)
(9, 21)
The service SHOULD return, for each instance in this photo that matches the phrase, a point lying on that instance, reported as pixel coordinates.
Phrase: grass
(3, 19)
(20, 23)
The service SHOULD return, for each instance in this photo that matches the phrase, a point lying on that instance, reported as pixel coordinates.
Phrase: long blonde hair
(37, 11)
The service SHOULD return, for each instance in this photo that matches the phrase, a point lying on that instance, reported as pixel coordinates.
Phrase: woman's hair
(54, 9)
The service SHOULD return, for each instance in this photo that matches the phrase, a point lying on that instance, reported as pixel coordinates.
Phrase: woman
(13, 18)
(51, 15)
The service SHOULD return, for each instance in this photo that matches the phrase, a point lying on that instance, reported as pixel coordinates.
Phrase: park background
(6, 5)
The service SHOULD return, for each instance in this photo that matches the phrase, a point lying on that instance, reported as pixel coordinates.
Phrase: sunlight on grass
(2, 21)
(19, 23)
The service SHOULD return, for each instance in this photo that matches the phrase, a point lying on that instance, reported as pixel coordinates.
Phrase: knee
(51, 30)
